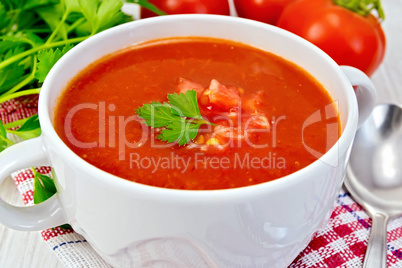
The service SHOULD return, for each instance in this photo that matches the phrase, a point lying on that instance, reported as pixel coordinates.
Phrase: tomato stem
(362, 7)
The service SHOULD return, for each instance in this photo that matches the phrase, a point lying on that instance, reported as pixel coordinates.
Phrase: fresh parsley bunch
(34, 35)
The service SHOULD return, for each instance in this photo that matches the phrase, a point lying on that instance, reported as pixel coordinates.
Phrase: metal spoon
(374, 175)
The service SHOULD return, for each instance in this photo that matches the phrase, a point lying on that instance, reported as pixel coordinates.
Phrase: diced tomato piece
(221, 96)
(257, 121)
(253, 103)
(225, 134)
(185, 85)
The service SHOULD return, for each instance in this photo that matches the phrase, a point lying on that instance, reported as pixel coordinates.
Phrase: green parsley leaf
(47, 58)
(3, 132)
(44, 187)
(13, 72)
(3, 137)
(30, 4)
(102, 14)
(18, 39)
(89, 8)
(53, 15)
(26, 19)
(181, 131)
(109, 12)
(157, 114)
(33, 39)
(72, 5)
(146, 4)
(4, 141)
(14, 4)
(8, 43)
(29, 129)
(5, 19)
(181, 117)
(186, 104)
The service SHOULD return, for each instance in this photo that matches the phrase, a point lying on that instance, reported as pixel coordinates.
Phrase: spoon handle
(376, 254)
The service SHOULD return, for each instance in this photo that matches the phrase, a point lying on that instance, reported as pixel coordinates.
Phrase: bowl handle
(33, 218)
(366, 93)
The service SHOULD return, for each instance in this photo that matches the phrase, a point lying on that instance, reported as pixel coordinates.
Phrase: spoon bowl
(374, 175)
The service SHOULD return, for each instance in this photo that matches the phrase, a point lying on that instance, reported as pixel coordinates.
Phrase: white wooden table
(27, 249)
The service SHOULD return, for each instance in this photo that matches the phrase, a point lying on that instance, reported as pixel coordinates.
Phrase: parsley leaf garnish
(186, 104)
(181, 117)
(46, 60)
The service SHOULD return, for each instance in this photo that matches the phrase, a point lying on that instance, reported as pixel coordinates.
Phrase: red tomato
(220, 7)
(349, 38)
(267, 11)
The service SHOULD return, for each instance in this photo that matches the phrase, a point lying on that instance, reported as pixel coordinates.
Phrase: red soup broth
(264, 109)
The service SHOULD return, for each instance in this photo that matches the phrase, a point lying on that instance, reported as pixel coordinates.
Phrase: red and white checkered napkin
(342, 243)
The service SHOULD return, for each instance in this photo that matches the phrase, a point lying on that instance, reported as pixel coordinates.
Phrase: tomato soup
(269, 118)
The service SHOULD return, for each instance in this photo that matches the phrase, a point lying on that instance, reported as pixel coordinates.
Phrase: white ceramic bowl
(264, 225)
